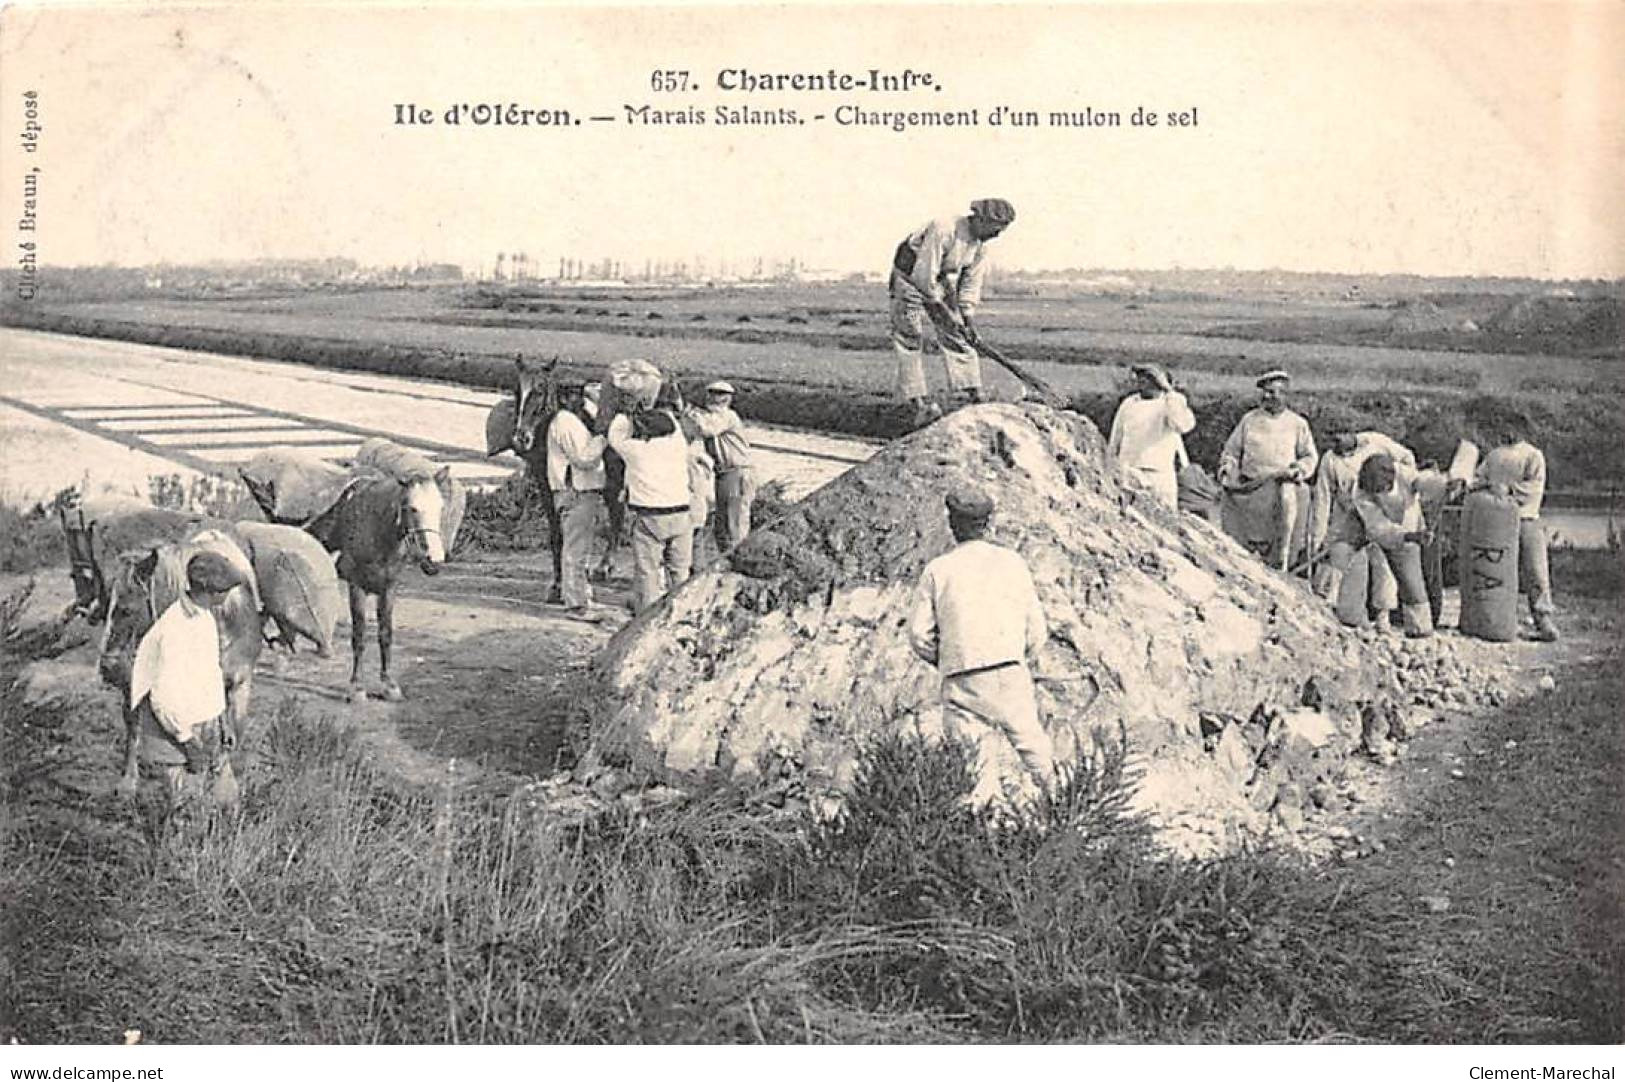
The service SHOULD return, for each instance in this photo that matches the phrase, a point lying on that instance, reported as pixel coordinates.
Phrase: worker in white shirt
(177, 687)
(729, 450)
(575, 475)
(1517, 468)
(658, 499)
(1147, 435)
(937, 272)
(1334, 527)
(977, 618)
(1389, 509)
(1263, 467)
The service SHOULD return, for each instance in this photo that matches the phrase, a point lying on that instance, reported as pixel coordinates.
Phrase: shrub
(504, 519)
(30, 540)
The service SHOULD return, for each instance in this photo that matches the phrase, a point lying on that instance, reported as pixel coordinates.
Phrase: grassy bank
(346, 905)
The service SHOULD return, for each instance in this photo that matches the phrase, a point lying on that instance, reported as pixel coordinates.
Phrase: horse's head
(422, 509)
(537, 401)
(135, 599)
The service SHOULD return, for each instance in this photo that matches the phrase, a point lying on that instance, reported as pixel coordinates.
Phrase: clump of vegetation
(30, 539)
(344, 906)
(212, 494)
(503, 519)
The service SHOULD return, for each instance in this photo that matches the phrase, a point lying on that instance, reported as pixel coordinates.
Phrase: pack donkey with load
(128, 564)
(392, 506)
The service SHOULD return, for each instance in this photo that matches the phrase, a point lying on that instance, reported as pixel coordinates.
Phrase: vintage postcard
(839, 523)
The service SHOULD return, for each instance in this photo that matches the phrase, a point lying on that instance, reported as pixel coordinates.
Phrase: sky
(1429, 138)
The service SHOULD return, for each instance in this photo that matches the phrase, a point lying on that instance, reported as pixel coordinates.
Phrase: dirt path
(484, 664)
(1496, 850)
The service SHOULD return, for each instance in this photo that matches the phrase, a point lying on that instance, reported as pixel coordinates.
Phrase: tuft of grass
(212, 494)
(345, 905)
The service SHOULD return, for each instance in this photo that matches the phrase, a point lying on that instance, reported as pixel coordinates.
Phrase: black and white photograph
(528, 528)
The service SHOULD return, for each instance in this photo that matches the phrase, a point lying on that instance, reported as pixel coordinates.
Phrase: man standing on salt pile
(976, 617)
(938, 272)
(1148, 430)
(1263, 467)
(729, 451)
(1335, 528)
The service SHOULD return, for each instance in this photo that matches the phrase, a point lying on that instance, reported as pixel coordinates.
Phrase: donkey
(377, 524)
(145, 582)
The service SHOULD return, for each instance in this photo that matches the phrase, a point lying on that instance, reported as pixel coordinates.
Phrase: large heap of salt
(789, 657)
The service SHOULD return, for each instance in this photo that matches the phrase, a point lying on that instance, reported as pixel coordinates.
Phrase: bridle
(417, 533)
(112, 611)
(533, 404)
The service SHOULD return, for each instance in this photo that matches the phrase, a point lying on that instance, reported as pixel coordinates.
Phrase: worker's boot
(924, 412)
(1383, 624)
(973, 396)
(1418, 621)
(1545, 629)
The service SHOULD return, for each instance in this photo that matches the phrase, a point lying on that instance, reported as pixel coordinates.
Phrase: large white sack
(298, 583)
(292, 486)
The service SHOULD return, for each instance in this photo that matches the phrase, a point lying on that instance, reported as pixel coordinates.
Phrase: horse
(373, 526)
(144, 583)
(535, 404)
(294, 577)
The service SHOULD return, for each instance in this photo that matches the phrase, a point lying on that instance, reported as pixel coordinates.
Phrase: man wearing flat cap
(177, 686)
(1263, 469)
(976, 617)
(729, 450)
(1147, 436)
(937, 272)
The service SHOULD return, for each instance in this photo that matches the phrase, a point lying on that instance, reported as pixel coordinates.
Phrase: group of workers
(1369, 513)
(1362, 519)
(685, 467)
(1363, 514)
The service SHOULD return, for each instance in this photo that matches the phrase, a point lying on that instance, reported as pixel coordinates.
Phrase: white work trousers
(1165, 483)
(908, 318)
(582, 518)
(1001, 699)
(662, 554)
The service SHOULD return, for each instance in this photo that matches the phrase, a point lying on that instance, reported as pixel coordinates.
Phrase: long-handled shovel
(1049, 395)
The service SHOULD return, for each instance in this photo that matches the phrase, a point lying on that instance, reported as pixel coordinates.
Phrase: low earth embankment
(830, 368)
(1476, 899)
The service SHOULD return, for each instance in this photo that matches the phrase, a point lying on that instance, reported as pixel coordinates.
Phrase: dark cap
(998, 211)
(1155, 371)
(969, 503)
(212, 572)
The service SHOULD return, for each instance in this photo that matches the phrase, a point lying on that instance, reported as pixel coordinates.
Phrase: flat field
(818, 355)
